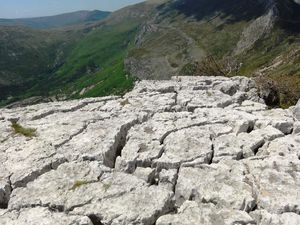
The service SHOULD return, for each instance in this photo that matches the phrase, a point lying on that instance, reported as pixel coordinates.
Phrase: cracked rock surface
(188, 151)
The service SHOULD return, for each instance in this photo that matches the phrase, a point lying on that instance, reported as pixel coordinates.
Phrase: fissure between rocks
(95, 220)
(121, 138)
(72, 109)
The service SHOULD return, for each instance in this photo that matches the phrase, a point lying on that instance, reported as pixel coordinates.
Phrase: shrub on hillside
(209, 66)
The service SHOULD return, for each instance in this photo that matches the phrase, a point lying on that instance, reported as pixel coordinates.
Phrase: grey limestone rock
(190, 150)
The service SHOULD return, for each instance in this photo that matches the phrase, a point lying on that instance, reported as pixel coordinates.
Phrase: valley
(156, 39)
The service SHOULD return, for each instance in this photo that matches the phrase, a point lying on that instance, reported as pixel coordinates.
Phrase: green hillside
(251, 38)
(84, 61)
(156, 39)
(66, 19)
(27, 55)
(95, 63)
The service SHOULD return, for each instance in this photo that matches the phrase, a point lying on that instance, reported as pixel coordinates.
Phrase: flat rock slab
(91, 189)
(193, 213)
(221, 184)
(276, 181)
(264, 218)
(190, 150)
(186, 146)
(41, 216)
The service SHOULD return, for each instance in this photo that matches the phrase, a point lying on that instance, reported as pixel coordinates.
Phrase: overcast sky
(34, 8)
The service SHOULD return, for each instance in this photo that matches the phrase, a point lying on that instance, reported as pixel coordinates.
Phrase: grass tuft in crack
(79, 183)
(125, 102)
(27, 132)
(106, 186)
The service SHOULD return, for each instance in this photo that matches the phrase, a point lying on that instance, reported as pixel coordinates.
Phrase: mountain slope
(56, 21)
(158, 39)
(27, 54)
(188, 30)
(88, 59)
(242, 37)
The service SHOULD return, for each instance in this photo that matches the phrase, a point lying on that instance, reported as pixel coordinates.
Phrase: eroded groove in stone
(35, 174)
(5, 192)
(122, 136)
(66, 108)
(72, 136)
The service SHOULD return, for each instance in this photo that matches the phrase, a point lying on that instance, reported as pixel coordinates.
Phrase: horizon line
(57, 14)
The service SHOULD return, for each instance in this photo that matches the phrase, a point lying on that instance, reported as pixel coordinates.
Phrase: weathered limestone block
(284, 146)
(251, 106)
(168, 179)
(227, 146)
(276, 182)
(296, 111)
(203, 99)
(243, 145)
(72, 184)
(251, 142)
(41, 216)
(24, 160)
(78, 187)
(164, 86)
(100, 140)
(193, 213)
(278, 118)
(146, 174)
(149, 102)
(139, 206)
(145, 142)
(262, 217)
(192, 146)
(221, 184)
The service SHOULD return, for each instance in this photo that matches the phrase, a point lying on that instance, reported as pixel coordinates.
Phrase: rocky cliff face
(289, 13)
(257, 37)
(192, 150)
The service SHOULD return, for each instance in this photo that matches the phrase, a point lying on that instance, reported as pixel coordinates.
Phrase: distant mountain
(83, 60)
(56, 21)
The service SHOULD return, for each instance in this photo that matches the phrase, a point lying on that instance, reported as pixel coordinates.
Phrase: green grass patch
(189, 69)
(125, 102)
(79, 183)
(106, 186)
(27, 132)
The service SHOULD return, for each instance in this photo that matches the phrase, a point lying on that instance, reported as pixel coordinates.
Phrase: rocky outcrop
(191, 150)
